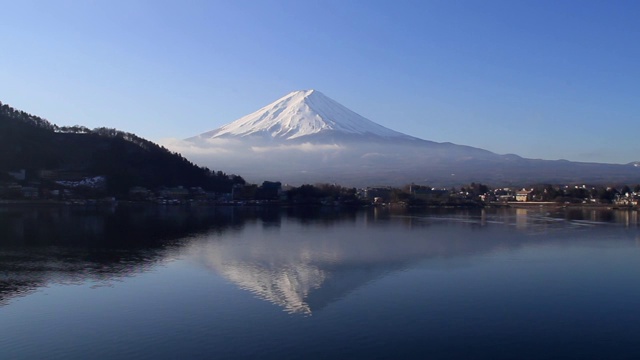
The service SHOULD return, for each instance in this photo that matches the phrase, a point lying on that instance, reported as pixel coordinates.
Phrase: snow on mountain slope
(299, 114)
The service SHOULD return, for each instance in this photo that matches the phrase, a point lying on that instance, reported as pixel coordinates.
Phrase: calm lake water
(229, 283)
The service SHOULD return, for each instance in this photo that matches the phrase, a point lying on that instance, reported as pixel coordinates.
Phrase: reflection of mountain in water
(304, 269)
(304, 273)
(301, 260)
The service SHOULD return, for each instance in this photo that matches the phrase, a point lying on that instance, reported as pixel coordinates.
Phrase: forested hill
(46, 150)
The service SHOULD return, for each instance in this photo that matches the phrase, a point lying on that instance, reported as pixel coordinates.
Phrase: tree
(607, 195)
(625, 190)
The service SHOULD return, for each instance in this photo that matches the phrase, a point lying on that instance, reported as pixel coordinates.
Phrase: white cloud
(305, 147)
(191, 148)
(374, 155)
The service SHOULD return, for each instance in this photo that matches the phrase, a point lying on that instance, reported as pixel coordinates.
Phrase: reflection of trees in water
(321, 215)
(71, 244)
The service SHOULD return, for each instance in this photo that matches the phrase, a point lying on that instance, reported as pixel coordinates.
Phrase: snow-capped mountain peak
(302, 113)
(306, 137)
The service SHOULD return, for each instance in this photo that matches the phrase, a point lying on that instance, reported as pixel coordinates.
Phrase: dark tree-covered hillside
(34, 144)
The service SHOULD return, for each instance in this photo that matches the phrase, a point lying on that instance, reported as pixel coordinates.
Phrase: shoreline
(512, 204)
(540, 204)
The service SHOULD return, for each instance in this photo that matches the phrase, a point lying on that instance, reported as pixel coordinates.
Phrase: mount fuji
(307, 137)
(302, 114)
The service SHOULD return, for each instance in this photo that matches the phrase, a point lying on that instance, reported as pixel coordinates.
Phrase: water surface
(170, 282)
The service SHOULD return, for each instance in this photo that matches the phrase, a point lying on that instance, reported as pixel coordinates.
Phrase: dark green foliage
(24, 139)
(246, 193)
(607, 195)
(548, 192)
(322, 193)
(475, 189)
(577, 193)
(400, 195)
(32, 143)
(305, 194)
(268, 191)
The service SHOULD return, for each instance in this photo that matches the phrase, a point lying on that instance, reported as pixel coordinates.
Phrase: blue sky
(542, 79)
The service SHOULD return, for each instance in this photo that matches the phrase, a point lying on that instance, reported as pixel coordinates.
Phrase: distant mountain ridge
(306, 137)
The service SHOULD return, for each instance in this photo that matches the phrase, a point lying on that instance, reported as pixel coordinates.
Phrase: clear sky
(542, 79)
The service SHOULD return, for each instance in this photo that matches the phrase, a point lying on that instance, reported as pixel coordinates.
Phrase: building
(30, 192)
(178, 192)
(19, 175)
(382, 192)
(524, 195)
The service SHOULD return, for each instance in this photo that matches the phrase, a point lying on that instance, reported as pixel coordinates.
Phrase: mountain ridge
(49, 153)
(306, 137)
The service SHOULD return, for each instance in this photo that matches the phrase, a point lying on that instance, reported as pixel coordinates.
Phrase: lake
(153, 282)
